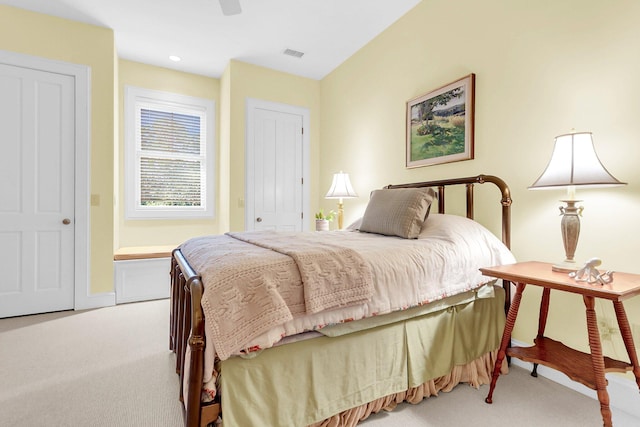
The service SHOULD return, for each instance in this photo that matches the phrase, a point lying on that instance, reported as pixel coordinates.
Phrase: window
(168, 155)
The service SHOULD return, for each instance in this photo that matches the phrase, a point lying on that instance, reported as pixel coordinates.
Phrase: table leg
(542, 321)
(597, 360)
(627, 337)
(506, 337)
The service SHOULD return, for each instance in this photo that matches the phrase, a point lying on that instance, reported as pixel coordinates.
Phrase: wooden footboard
(187, 318)
(187, 329)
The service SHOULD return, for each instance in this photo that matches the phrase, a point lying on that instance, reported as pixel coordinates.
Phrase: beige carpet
(105, 367)
(112, 367)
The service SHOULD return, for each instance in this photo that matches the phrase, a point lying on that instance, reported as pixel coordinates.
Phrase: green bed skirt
(298, 384)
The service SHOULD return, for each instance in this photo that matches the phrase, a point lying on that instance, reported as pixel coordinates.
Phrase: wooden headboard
(441, 185)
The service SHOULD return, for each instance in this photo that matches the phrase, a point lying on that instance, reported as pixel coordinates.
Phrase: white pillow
(453, 227)
(463, 232)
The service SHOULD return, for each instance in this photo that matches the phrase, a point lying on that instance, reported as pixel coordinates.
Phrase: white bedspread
(442, 262)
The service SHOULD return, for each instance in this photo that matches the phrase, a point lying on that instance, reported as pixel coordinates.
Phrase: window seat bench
(141, 273)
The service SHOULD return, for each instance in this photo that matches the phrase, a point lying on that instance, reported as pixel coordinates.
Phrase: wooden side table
(588, 369)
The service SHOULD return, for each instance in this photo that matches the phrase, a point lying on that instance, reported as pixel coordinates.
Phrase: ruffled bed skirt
(475, 373)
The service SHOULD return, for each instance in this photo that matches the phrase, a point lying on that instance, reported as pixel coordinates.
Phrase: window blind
(171, 159)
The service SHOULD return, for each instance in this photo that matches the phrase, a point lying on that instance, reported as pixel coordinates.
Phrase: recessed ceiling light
(175, 58)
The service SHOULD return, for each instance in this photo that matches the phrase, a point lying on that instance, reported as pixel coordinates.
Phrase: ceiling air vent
(292, 52)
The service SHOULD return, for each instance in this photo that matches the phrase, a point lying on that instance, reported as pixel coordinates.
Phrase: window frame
(137, 98)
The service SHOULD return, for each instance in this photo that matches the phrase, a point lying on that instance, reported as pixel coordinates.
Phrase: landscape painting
(440, 124)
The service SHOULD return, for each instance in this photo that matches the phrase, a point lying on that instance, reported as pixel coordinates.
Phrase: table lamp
(574, 162)
(341, 189)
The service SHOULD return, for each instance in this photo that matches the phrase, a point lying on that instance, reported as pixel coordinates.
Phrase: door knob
(259, 219)
(66, 221)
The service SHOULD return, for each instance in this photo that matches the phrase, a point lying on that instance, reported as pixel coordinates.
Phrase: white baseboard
(623, 392)
(141, 279)
(86, 302)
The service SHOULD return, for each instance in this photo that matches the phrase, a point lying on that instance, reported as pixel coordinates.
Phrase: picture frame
(440, 125)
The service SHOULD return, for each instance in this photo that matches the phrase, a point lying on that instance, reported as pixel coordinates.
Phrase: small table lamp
(340, 189)
(574, 162)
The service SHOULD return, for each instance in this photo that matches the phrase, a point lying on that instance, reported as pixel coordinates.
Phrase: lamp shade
(574, 162)
(341, 187)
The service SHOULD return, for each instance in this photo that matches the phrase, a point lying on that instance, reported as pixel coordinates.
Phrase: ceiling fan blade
(230, 7)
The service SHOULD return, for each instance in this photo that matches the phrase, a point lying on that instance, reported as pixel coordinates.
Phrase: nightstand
(586, 368)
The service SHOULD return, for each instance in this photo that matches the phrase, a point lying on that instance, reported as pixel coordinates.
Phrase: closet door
(36, 191)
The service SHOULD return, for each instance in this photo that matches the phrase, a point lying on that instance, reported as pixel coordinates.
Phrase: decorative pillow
(397, 212)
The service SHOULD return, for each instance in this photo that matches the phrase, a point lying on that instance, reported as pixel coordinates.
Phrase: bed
(325, 328)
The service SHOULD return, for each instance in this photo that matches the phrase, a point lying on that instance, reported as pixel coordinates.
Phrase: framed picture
(440, 124)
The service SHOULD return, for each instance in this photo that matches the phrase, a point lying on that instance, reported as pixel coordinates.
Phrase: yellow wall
(162, 232)
(542, 68)
(250, 81)
(63, 40)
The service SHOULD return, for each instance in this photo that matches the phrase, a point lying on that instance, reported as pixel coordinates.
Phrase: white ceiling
(149, 31)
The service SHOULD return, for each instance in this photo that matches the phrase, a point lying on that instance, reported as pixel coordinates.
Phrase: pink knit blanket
(254, 281)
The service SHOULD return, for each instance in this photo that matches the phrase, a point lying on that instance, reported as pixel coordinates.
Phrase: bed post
(196, 361)
(505, 201)
(190, 332)
(173, 314)
(506, 227)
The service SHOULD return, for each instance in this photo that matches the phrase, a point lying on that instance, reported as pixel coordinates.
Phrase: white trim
(623, 393)
(88, 301)
(82, 226)
(251, 105)
(173, 101)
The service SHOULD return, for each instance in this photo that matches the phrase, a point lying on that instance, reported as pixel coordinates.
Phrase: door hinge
(301, 215)
(302, 181)
(303, 131)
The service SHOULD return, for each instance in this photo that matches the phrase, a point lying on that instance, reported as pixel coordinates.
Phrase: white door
(36, 191)
(275, 166)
